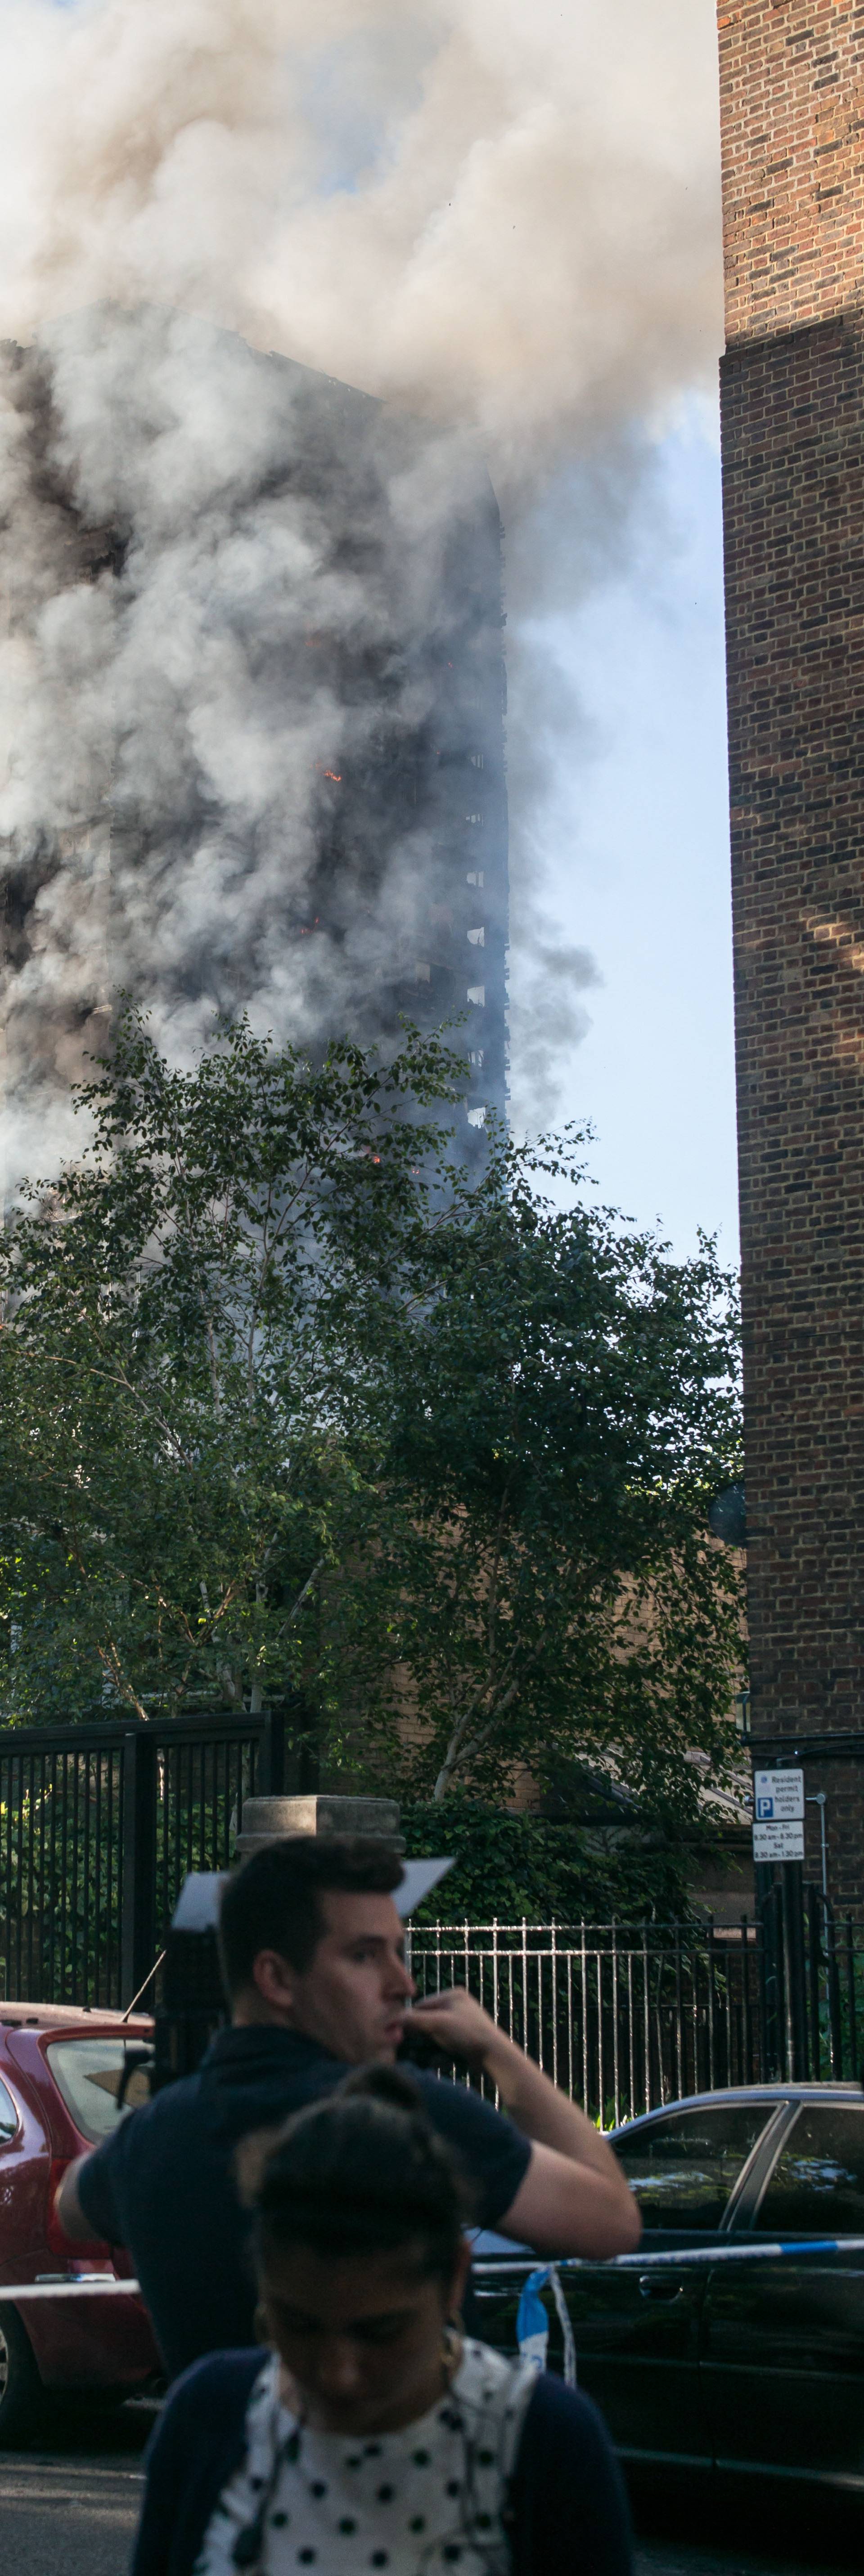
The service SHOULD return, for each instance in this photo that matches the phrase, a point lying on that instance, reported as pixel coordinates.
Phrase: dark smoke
(501, 216)
(257, 631)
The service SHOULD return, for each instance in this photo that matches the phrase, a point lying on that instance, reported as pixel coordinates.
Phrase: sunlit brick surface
(792, 102)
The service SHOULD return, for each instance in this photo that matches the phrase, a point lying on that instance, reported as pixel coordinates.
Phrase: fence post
(272, 1756)
(770, 1954)
(850, 1990)
(646, 2008)
(814, 1921)
(138, 1920)
(746, 2041)
(712, 2071)
(835, 2030)
(792, 1900)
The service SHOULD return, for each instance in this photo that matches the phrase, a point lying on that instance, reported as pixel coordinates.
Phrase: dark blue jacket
(569, 2514)
(163, 2182)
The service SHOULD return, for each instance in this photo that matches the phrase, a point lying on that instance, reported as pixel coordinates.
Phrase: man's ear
(274, 1980)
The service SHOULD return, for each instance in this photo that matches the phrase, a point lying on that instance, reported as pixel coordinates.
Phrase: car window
(817, 2185)
(88, 2073)
(683, 2167)
(8, 2117)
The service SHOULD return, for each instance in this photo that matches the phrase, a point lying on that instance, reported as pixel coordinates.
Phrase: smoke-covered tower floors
(283, 783)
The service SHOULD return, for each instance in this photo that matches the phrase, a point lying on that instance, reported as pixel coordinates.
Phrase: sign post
(778, 1836)
(778, 1815)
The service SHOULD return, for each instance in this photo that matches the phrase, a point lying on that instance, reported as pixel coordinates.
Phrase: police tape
(532, 2317)
(738, 2253)
(532, 2321)
(104, 2285)
(89, 2285)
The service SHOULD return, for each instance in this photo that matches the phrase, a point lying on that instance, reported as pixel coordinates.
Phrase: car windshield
(89, 2073)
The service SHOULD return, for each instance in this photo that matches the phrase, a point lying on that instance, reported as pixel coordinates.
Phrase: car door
(783, 2340)
(637, 2331)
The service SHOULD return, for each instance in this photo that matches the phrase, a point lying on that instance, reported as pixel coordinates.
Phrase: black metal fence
(811, 1972)
(629, 2016)
(99, 1825)
(624, 2016)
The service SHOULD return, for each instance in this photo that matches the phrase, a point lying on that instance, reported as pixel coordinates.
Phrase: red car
(61, 2074)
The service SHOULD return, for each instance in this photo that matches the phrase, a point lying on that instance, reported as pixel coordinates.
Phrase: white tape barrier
(738, 2253)
(99, 2285)
(532, 2320)
(90, 2285)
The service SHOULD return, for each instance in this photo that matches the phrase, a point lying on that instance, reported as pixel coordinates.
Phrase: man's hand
(574, 2198)
(457, 2024)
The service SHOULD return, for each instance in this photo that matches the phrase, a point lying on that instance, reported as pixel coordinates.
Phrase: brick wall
(792, 143)
(792, 117)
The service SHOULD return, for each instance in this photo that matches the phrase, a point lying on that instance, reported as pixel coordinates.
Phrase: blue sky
(639, 867)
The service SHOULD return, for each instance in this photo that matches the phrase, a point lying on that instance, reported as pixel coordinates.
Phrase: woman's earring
(262, 2324)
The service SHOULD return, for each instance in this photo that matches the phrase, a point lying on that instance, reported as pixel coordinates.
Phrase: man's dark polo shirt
(163, 2184)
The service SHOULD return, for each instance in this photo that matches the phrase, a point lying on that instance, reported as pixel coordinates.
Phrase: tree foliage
(291, 1403)
(509, 1866)
(563, 1410)
(192, 1320)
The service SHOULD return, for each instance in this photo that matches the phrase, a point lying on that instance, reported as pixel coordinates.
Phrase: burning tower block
(793, 466)
(254, 622)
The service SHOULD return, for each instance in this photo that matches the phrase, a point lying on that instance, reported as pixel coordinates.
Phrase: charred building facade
(411, 831)
(260, 621)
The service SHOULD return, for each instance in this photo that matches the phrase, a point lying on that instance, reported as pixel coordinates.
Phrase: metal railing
(626, 2017)
(811, 1982)
(622, 2017)
(99, 1825)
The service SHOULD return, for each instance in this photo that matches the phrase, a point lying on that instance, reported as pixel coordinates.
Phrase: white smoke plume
(501, 216)
(501, 210)
(232, 598)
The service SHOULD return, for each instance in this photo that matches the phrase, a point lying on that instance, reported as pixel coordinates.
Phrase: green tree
(193, 1321)
(565, 1403)
(290, 1404)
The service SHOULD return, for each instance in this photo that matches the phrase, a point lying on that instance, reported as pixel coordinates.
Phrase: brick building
(792, 115)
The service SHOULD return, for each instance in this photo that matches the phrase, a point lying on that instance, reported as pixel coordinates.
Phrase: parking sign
(778, 1797)
(778, 1815)
(779, 1841)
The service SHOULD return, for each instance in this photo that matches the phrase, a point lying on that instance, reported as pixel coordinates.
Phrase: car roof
(847, 2091)
(72, 2017)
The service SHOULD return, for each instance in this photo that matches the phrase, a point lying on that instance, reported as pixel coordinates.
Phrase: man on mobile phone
(313, 1960)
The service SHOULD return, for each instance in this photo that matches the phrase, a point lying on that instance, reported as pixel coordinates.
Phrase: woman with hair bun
(373, 2435)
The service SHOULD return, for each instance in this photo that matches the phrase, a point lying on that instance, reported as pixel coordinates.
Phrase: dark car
(66, 2078)
(738, 2366)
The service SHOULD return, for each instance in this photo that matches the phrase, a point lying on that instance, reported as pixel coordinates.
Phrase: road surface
(69, 2509)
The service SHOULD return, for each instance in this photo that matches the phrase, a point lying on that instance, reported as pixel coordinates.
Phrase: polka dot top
(428, 2497)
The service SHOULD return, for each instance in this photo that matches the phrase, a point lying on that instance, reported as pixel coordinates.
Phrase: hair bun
(362, 2170)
